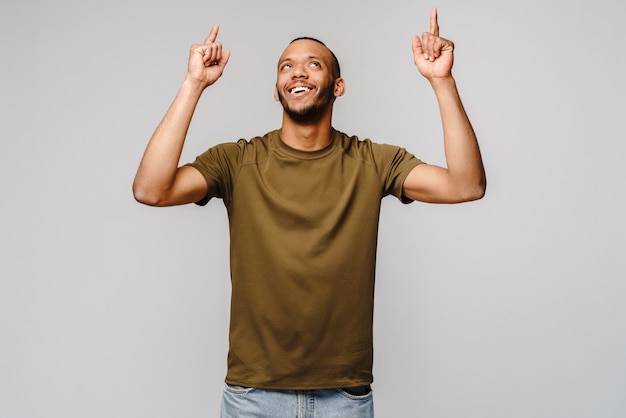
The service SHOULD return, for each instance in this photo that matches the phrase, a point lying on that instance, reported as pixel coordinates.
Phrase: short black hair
(336, 68)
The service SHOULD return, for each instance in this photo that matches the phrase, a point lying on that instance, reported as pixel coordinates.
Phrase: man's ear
(340, 87)
(276, 94)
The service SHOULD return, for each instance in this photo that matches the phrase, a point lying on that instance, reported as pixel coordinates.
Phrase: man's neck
(305, 136)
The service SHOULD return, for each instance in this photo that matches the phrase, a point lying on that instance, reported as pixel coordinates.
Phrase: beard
(313, 112)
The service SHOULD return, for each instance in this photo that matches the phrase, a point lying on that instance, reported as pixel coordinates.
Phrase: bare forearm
(159, 164)
(464, 162)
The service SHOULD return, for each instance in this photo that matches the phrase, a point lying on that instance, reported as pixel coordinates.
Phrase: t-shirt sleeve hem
(407, 200)
(206, 198)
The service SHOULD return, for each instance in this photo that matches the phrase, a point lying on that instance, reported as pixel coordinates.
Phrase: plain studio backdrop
(512, 306)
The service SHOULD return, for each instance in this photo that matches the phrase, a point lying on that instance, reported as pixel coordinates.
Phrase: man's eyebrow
(291, 59)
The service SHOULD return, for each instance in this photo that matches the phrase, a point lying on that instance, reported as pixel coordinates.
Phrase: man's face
(305, 85)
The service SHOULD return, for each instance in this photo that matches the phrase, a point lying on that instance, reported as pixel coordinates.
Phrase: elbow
(477, 194)
(470, 192)
(475, 191)
(145, 197)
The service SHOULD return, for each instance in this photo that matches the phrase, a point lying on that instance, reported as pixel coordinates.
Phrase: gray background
(512, 306)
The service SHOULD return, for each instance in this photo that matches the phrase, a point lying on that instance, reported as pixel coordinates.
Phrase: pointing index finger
(434, 26)
(213, 35)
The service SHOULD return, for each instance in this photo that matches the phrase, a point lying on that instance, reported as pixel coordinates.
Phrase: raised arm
(464, 177)
(159, 181)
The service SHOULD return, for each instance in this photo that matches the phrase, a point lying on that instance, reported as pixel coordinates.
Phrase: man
(303, 204)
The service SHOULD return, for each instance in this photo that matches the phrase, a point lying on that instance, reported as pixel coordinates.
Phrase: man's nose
(299, 71)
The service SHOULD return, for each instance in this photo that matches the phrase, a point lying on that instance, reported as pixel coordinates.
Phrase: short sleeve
(219, 165)
(394, 165)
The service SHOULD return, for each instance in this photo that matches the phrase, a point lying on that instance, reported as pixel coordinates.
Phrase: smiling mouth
(299, 89)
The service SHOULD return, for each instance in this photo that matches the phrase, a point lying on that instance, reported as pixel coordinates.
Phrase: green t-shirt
(303, 234)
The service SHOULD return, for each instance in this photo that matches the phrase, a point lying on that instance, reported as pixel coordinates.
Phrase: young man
(303, 204)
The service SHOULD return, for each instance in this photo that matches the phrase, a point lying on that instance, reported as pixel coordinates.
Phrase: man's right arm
(159, 181)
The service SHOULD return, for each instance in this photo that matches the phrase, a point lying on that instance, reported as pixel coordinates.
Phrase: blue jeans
(240, 402)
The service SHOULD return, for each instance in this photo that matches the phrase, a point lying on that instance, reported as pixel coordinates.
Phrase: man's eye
(286, 66)
(314, 64)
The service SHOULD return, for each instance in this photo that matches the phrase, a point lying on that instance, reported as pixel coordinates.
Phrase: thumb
(417, 46)
(225, 58)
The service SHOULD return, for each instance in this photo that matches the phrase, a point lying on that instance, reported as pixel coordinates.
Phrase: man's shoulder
(259, 147)
(363, 149)
(265, 141)
(248, 149)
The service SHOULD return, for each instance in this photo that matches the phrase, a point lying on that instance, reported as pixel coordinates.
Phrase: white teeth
(299, 89)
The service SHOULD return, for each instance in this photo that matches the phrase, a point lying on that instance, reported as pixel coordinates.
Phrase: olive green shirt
(303, 234)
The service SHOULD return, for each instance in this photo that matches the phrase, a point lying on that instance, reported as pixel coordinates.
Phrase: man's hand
(433, 55)
(207, 60)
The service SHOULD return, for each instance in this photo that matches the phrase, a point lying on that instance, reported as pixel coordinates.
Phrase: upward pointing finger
(434, 26)
(213, 35)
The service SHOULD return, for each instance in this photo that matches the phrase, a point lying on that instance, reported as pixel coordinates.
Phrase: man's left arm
(464, 177)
